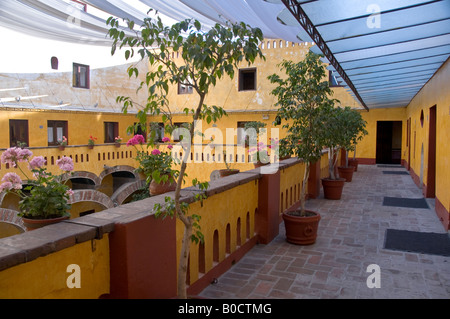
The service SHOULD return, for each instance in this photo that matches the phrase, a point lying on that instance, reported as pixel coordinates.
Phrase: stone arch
(85, 174)
(91, 195)
(10, 216)
(118, 168)
(126, 190)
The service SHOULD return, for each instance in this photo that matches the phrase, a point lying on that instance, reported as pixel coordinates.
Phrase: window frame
(242, 73)
(115, 131)
(76, 75)
(63, 124)
(17, 123)
(332, 80)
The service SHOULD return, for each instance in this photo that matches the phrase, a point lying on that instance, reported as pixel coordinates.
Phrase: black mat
(396, 172)
(405, 202)
(391, 165)
(417, 242)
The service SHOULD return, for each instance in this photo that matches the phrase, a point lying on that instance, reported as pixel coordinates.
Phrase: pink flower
(156, 152)
(13, 155)
(165, 139)
(65, 163)
(70, 192)
(37, 162)
(137, 139)
(13, 179)
(6, 186)
(169, 147)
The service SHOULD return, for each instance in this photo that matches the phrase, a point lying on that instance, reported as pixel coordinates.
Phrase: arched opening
(228, 240)
(216, 246)
(238, 232)
(201, 258)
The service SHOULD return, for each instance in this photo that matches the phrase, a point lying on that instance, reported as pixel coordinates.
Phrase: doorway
(389, 142)
(431, 174)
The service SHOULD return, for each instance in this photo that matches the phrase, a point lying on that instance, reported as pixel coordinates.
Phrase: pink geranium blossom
(165, 139)
(65, 163)
(37, 162)
(13, 181)
(13, 155)
(169, 147)
(135, 140)
(156, 152)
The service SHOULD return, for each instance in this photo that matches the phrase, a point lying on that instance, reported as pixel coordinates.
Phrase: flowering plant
(91, 140)
(118, 139)
(259, 153)
(155, 165)
(62, 141)
(45, 196)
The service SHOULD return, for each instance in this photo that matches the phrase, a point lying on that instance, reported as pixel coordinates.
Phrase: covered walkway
(352, 236)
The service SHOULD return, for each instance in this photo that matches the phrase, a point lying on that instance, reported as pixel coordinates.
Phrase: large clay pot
(228, 172)
(32, 224)
(354, 163)
(346, 172)
(259, 164)
(301, 230)
(332, 188)
(163, 187)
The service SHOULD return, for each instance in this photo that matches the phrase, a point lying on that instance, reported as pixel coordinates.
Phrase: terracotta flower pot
(32, 224)
(259, 164)
(61, 147)
(354, 163)
(332, 188)
(301, 230)
(228, 172)
(163, 187)
(346, 172)
(90, 146)
(116, 144)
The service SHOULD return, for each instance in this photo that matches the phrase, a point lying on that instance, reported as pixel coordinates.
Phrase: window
(332, 80)
(247, 79)
(241, 132)
(55, 131)
(111, 131)
(18, 132)
(176, 137)
(141, 130)
(157, 131)
(185, 89)
(80, 76)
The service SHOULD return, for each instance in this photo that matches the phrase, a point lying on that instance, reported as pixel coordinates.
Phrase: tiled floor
(351, 237)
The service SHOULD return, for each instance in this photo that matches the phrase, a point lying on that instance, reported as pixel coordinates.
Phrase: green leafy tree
(304, 103)
(207, 56)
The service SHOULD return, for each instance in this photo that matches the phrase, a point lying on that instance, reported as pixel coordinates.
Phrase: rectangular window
(157, 131)
(141, 130)
(241, 132)
(18, 133)
(80, 76)
(55, 131)
(176, 136)
(247, 79)
(111, 131)
(185, 89)
(332, 80)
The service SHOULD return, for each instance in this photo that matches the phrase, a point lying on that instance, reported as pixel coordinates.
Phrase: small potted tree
(352, 129)
(228, 170)
(303, 100)
(206, 57)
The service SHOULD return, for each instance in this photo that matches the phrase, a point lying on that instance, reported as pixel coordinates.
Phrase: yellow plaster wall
(435, 92)
(46, 277)
(216, 212)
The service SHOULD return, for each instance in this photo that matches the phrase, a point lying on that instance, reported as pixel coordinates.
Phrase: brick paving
(351, 237)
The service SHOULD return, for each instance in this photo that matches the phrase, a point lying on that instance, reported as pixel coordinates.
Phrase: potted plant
(351, 130)
(155, 165)
(91, 141)
(284, 152)
(302, 98)
(252, 130)
(334, 138)
(206, 57)
(259, 155)
(117, 141)
(44, 199)
(228, 171)
(62, 143)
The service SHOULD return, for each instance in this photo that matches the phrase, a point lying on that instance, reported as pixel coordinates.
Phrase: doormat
(396, 172)
(417, 242)
(405, 202)
(391, 165)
